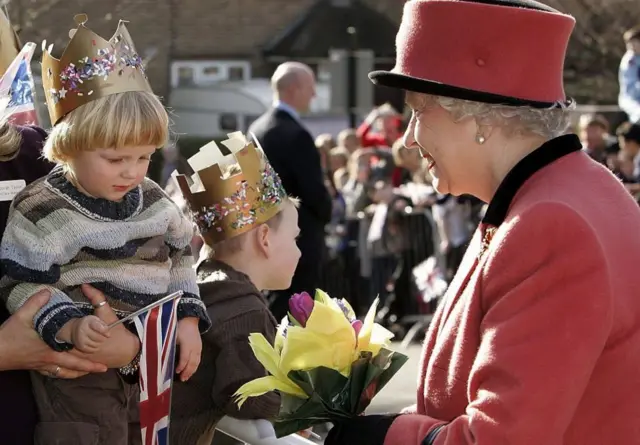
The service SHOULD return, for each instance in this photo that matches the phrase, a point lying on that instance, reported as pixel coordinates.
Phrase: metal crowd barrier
(359, 273)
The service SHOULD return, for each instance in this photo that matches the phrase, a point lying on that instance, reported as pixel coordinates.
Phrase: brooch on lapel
(486, 240)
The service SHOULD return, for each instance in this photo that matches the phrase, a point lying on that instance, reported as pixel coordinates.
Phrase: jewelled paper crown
(90, 68)
(227, 206)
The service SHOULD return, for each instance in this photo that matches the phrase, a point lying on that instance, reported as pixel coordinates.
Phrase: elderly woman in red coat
(538, 338)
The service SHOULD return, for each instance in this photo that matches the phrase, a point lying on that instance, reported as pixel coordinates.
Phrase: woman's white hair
(546, 122)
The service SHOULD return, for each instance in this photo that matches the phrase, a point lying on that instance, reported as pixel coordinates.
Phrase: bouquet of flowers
(326, 364)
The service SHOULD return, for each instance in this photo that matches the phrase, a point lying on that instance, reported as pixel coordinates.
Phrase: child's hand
(190, 347)
(86, 334)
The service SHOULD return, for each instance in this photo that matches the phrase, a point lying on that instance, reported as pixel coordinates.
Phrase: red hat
(494, 51)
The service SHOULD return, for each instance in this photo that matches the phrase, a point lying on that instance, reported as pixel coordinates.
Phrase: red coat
(537, 342)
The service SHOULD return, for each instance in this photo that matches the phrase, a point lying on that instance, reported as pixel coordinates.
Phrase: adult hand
(122, 346)
(22, 348)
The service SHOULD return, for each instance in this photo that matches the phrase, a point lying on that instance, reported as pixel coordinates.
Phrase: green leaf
(325, 382)
(295, 416)
(334, 397)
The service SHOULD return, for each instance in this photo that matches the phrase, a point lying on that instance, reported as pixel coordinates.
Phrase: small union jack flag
(17, 87)
(157, 330)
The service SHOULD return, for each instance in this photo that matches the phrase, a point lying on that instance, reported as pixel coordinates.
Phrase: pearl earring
(480, 139)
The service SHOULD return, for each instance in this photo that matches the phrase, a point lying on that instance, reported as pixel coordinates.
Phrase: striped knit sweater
(135, 251)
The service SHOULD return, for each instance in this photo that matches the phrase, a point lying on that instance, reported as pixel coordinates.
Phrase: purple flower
(344, 309)
(356, 325)
(300, 308)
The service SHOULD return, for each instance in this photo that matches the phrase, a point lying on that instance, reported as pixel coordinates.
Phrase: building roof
(325, 25)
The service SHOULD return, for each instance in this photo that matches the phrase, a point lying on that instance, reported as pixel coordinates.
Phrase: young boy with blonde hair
(250, 226)
(96, 219)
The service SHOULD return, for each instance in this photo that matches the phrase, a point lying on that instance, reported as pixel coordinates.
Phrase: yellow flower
(327, 340)
(372, 336)
(277, 381)
(280, 335)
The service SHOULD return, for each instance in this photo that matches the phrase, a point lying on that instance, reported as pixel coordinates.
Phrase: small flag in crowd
(17, 87)
(157, 331)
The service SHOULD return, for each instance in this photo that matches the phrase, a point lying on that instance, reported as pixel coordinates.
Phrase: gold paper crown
(227, 206)
(90, 68)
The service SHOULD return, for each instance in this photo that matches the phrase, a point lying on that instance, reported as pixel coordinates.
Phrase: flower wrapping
(326, 364)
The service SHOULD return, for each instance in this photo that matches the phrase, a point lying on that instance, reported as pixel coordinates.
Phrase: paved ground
(400, 392)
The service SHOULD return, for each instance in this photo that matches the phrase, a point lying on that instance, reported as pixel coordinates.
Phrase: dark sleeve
(33, 139)
(236, 365)
(309, 178)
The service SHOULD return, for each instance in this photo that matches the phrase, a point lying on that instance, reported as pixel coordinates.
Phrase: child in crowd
(95, 219)
(250, 226)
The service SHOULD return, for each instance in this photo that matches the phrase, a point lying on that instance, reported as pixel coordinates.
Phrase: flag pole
(160, 302)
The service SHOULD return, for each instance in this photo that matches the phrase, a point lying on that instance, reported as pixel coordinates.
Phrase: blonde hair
(345, 134)
(10, 140)
(133, 118)
(325, 142)
(340, 152)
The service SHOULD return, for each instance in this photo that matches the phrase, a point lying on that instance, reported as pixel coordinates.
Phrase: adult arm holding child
(30, 263)
(22, 348)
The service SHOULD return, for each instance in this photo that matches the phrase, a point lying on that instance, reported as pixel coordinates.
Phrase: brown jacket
(237, 309)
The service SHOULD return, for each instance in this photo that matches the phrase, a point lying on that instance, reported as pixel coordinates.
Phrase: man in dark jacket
(291, 151)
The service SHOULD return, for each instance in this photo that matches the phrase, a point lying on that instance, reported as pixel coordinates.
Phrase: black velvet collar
(96, 207)
(547, 153)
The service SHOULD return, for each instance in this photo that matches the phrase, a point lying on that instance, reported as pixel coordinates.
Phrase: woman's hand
(122, 346)
(22, 348)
